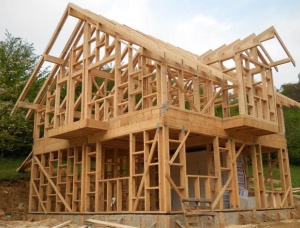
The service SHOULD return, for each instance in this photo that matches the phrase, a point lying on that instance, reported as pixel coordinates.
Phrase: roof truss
(202, 66)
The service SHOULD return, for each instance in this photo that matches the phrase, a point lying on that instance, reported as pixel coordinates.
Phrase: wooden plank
(255, 176)
(164, 157)
(200, 213)
(218, 186)
(182, 160)
(26, 163)
(62, 224)
(238, 153)
(271, 170)
(214, 204)
(53, 59)
(284, 198)
(29, 105)
(286, 101)
(110, 224)
(178, 223)
(179, 148)
(234, 196)
(210, 103)
(200, 200)
(174, 187)
(281, 215)
(241, 84)
(284, 47)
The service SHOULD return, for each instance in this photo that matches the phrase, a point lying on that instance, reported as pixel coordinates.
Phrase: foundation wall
(174, 220)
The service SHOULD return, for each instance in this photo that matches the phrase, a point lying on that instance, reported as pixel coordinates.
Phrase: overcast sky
(194, 25)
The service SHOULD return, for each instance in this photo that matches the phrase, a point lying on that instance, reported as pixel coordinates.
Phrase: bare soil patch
(13, 199)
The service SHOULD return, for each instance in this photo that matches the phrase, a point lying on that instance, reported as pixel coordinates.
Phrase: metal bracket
(183, 129)
(158, 127)
(167, 105)
(161, 110)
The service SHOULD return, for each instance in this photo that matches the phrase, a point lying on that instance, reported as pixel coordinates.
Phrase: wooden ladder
(197, 212)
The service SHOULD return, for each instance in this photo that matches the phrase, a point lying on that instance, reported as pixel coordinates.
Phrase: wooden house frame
(128, 124)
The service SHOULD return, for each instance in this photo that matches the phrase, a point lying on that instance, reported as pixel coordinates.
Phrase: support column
(98, 177)
(85, 150)
(164, 169)
(162, 96)
(235, 185)
(258, 177)
(118, 93)
(255, 176)
(86, 79)
(217, 170)
(132, 149)
(241, 85)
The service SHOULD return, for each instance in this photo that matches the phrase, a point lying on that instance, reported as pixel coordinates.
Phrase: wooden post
(117, 77)
(241, 84)
(164, 169)
(86, 79)
(85, 150)
(98, 177)
(217, 169)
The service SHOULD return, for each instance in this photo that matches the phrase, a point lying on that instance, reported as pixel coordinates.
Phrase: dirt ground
(14, 203)
(13, 199)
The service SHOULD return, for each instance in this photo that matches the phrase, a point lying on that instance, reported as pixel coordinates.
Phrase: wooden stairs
(198, 212)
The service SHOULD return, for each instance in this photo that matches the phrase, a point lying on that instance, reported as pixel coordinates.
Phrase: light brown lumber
(52, 184)
(288, 191)
(178, 223)
(111, 224)
(62, 224)
(25, 163)
(174, 186)
(41, 61)
(221, 192)
(38, 195)
(147, 166)
(179, 148)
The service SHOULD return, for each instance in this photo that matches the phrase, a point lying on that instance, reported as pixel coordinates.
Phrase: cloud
(201, 33)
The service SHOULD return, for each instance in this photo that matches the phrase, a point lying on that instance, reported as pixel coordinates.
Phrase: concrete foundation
(176, 220)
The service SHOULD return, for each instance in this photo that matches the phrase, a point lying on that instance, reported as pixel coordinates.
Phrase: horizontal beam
(53, 59)
(286, 101)
(22, 104)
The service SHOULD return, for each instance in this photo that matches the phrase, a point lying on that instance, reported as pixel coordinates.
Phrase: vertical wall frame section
(285, 178)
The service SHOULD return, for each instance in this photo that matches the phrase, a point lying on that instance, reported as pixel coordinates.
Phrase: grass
(295, 175)
(8, 168)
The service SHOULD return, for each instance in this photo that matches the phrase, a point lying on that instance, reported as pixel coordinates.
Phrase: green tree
(292, 121)
(17, 60)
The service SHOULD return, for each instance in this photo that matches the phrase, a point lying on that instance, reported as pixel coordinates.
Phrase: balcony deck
(250, 125)
(78, 129)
